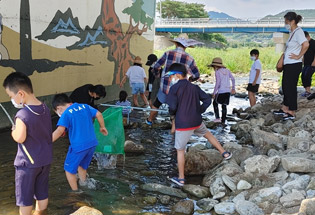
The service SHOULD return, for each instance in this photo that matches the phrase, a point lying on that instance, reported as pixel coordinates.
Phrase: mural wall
(64, 44)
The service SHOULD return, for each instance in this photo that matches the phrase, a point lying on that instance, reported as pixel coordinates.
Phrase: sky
(253, 8)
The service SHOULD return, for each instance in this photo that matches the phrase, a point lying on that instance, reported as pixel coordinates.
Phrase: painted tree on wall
(119, 49)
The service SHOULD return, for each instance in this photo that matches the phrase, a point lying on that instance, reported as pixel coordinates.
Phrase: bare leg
(214, 142)
(144, 99)
(26, 210)
(153, 114)
(41, 207)
(308, 89)
(252, 98)
(135, 100)
(173, 127)
(82, 174)
(291, 112)
(285, 108)
(72, 179)
(181, 163)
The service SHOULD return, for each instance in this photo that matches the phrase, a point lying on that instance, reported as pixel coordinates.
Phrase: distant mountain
(308, 13)
(219, 15)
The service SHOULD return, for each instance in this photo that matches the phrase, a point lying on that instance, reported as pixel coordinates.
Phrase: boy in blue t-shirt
(78, 120)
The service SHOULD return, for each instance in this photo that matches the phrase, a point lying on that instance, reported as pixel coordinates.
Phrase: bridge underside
(226, 30)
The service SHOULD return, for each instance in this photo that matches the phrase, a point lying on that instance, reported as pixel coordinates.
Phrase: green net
(114, 142)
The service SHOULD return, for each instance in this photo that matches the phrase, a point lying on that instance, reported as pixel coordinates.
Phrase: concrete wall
(62, 45)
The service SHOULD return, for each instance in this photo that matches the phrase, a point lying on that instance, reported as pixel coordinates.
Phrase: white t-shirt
(294, 46)
(252, 74)
(136, 75)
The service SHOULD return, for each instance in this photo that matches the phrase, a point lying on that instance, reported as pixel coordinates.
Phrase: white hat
(186, 42)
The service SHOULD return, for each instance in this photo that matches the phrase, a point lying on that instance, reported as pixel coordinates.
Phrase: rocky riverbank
(272, 170)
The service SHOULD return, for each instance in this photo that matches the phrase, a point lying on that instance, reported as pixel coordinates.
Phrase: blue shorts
(76, 159)
(30, 184)
(137, 88)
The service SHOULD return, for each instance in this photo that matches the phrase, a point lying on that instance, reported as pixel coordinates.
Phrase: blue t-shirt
(78, 119)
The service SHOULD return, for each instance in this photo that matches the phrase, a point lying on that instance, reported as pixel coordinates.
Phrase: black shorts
(223, 98)
(157, 103)
(253, 89)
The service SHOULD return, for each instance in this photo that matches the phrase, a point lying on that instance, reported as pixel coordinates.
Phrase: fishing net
(114, 142)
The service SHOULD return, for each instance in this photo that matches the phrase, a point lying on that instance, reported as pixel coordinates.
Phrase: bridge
(206, 25)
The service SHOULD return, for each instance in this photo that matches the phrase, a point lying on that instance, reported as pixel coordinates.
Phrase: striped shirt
(177, 55)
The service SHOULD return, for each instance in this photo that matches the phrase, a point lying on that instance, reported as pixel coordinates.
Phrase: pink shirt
(222, 84)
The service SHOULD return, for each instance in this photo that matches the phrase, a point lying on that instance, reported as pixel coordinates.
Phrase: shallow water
(117, 190)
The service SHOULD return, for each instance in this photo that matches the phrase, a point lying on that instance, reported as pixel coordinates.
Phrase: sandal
(178, 181)
(227, 157)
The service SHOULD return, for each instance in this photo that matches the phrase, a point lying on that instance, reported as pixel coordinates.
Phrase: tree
(178, 9)
(119, 49)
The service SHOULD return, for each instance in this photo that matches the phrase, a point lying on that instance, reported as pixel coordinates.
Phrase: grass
(235, 59)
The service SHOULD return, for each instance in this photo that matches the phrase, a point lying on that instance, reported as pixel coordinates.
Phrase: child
(254, 77)
(78, 120)
(124, 102)
(184, 106)
(222, 90)
(151, 87)
(137, 77)
(33, 128)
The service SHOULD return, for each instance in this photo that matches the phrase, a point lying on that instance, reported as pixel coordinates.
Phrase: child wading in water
(124, 102)
(222, 90)
(184, 106)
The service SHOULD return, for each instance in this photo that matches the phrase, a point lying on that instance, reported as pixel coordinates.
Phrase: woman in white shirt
(296, 47)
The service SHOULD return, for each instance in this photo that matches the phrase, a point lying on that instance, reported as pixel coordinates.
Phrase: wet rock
(146, 141)
(293, 199)
(200, 162)
(308, 207)
(164, 125)
(133, 148)
(212, 125)
(150, 200)
(196, 190)
(229, 182)
(271, 194)
(297, 164)
(241, 95)
(263, 141)
(85, 210)
(225, 208)
(165, 200)
(164, 190)
(243, 185)
(248, 208)
(207, 204)
(261, 164)
(217, 188)
(299, 183)
(183, 207)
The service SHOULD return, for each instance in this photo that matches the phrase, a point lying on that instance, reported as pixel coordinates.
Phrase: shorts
(76, 159)
(253, 89)
(223, 98)
(157, 103)
(137, 88)
(30, 184)
(182, 137)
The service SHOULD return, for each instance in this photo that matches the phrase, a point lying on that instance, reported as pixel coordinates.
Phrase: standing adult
(87, 94)
(296, 47)
(309, 67)
(178, 55)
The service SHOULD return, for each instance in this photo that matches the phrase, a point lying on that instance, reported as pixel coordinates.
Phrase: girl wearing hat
(137, 79)
(222, 90)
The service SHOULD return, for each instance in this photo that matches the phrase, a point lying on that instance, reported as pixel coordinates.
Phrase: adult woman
(87, 94)
(296, 47)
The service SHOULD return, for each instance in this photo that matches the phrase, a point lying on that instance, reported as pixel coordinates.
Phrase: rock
(248, 208)
(229, 182)
(308, 206)
(269, 119)
(150, 200)
(198, 147)
(164, 125)
(85, 210)
(298, 143)
(311, 185)
(164, 190)
(273, 152)
(211, 124)
(279, 128)
(243, 185)
(240, 197)
(261, 164)
(196, 190)
(264, 141)
(165, 200)
(297, 164)
(310, 194)
(241, 154)
(271, 194)
(293, 199)
(183, 207)
(207, 204)
(300, 183)
(217, 188)
(243, 132)
(133, 148)
(301, 113)
(200, 162)
(147, 141)
(225, 208)
(257, 122)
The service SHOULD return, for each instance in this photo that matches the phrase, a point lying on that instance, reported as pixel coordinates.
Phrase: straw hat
(216, 62)
(137, 60)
